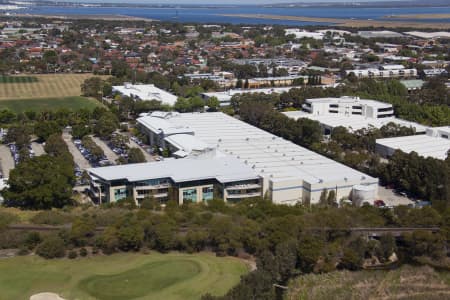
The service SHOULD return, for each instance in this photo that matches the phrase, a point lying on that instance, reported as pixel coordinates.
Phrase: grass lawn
(42, 85)
(38, 104)
(121, 276)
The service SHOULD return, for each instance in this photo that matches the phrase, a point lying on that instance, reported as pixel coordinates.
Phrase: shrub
(72, 254)
(23, 251)
(51, 247)
(51, 217)
(32, 239)
(6, 219)
(83, 252)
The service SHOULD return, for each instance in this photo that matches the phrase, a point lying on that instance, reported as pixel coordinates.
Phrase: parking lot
(390, 198)
(133, 144)
(6, 160)
(77, 156)
(110, 155)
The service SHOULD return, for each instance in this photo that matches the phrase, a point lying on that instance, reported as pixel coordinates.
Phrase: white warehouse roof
(352, 122)
(436, 143)
(224, 169)
(270, 156)
(146, 92)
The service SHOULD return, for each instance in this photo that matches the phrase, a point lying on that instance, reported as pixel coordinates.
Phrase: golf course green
(121, 276)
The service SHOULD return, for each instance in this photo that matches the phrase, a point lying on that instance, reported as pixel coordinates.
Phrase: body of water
(213, 15)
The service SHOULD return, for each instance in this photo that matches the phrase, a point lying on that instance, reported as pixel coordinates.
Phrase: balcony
(244, 196)
(159, 195)
(243, 187)
(152, 187)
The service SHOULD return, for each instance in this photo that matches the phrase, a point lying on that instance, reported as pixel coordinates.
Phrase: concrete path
(6, 160)
(77, 156)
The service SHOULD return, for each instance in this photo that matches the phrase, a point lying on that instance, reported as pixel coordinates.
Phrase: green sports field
(42, 104)
(121, 276)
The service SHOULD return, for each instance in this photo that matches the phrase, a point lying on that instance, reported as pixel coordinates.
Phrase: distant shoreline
(83, 17)
(347, 22)
(419, 16)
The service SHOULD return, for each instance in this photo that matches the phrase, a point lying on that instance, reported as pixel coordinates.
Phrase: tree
(130, 234)
(309, 250)
(212, 103)
(106, 125)
(92, 87)
(135, 155)
(44, 129)
(50, 57)
(51, 247)
(41, 182)
(55, 145)
(19, 135)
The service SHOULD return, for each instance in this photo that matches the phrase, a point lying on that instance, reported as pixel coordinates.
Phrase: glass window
(190, 195)
(120, 194)
(208, 193)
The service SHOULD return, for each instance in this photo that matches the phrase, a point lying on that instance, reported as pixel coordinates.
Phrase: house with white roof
(145, 92)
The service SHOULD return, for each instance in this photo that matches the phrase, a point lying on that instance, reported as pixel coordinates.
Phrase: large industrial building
(352, 113)
(435, 143)
(191, 179)
(289, 173)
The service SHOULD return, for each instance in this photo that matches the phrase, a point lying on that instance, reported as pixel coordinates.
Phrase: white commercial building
(435, 143)
(429, 35)
(290, 173)
(146, 92)
(225, 97)
(196, 179)
(385, 71)
(352, 113)
(299, 34)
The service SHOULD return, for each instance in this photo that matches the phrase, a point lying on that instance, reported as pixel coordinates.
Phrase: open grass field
(41, 86)
(406, 282)
(123, 276)
(41, 104)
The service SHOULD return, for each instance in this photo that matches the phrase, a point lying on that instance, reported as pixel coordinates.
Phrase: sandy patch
(46, 296)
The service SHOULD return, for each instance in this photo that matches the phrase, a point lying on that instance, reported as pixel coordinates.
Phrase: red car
(379, 203)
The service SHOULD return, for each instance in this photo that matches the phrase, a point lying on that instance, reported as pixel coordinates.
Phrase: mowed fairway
(42, 86)
(121, 276)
